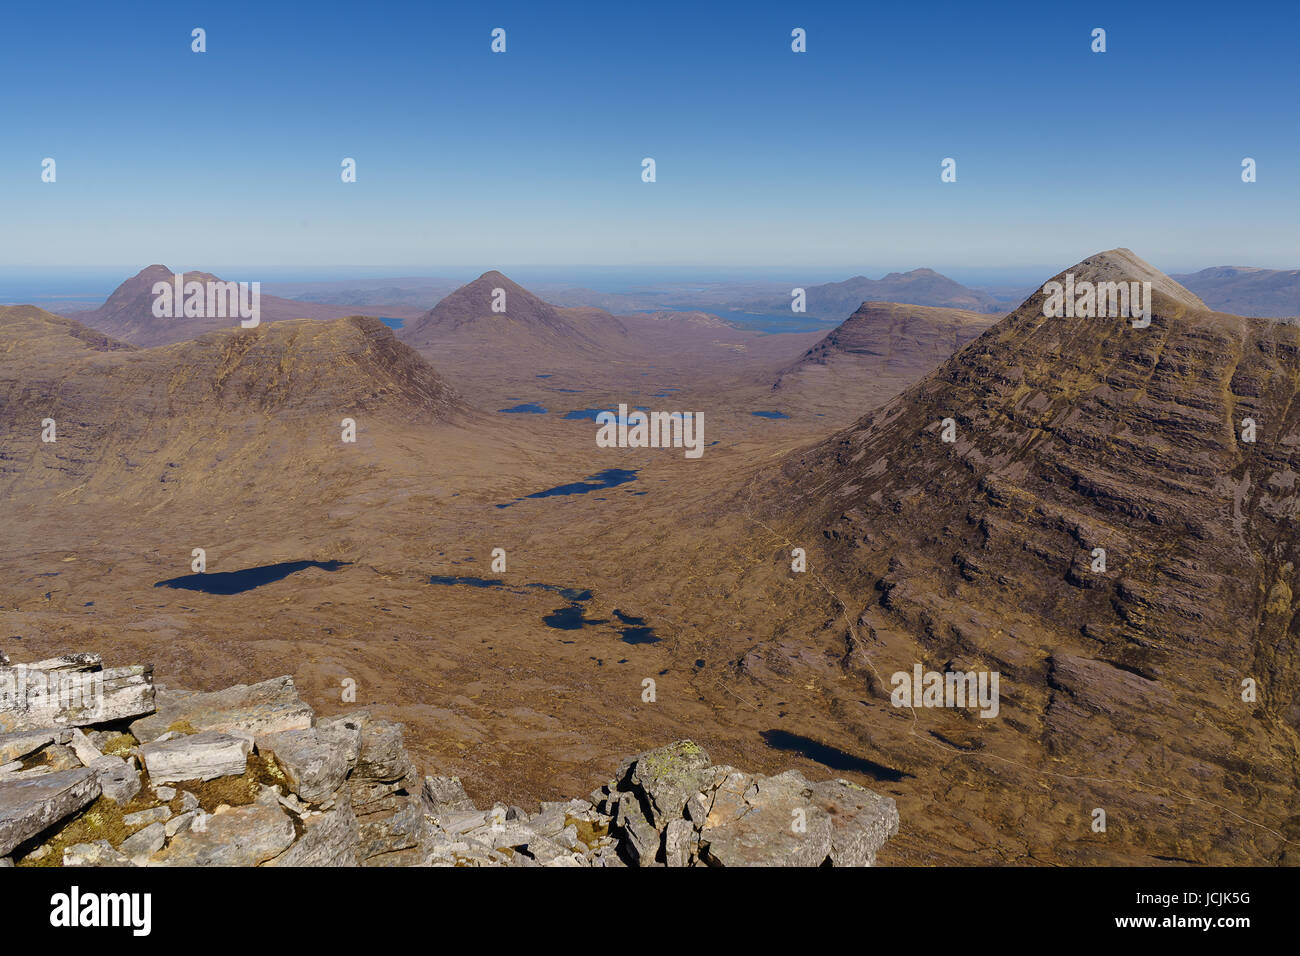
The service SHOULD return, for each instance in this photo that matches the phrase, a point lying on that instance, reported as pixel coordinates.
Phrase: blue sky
(469, 159)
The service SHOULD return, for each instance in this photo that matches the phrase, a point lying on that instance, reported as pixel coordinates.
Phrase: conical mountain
(494, 313)
(128, 313)
(1111, 528)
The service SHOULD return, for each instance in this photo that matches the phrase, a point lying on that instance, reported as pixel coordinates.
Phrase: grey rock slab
(383, 754)
(643, 840)
(139, 846)
(232, 836)
(119, 781)
(315, 760)
(329, 839)
(14, 746)
(778, 826)
(387, 831)
(263, 708)
(145, 817)
(31, 805)
(443, 795)
(201, 756)
(86, 751)
(861, 821)
(680, 842)
(72, 692)
(182, 821)
(99, 853)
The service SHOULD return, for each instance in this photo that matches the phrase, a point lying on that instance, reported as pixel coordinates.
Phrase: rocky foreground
(138, 775)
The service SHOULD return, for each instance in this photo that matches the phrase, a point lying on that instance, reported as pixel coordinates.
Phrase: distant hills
(918, 287)
(831, 301)
(1243, 290)
(127, 314)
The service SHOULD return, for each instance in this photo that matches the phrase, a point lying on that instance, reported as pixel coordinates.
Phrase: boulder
(315, 760)
(442, 795)
(264, 708)
(15, 746)
(383, 755)
(232, 836)
(329, 838)
(99, 853)
(775, 824)
(201, 756)
(72, 691)
(861, 821)
(143, 844)
(668, 777)
(118, 779)
(86, 752)
(32, 805)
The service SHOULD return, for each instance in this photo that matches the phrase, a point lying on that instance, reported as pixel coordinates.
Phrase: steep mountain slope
(127, 314)
(881, 345)
(1122, 688)
(1272, 293)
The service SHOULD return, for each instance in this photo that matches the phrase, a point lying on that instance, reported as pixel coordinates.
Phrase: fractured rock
(264, 708)
(202, 756)
(141, 845)
(72, 691)
(232, 836)
(86, 752)
(29, 806)
(118, 778)
(383, 754)
(99, 853)
(777, 826)
(861, 821)
(442, 795)
(330, 838)
(317, 759)
(19, 744)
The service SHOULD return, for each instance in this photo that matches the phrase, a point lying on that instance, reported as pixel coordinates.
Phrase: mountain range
(1270, 293)
(1109, 530)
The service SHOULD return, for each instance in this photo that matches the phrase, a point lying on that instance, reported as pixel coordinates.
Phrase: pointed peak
(1124, 265)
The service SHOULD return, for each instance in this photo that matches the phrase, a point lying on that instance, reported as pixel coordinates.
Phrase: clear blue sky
(765, 157)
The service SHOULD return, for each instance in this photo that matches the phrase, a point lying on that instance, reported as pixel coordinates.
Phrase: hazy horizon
(65, 282)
